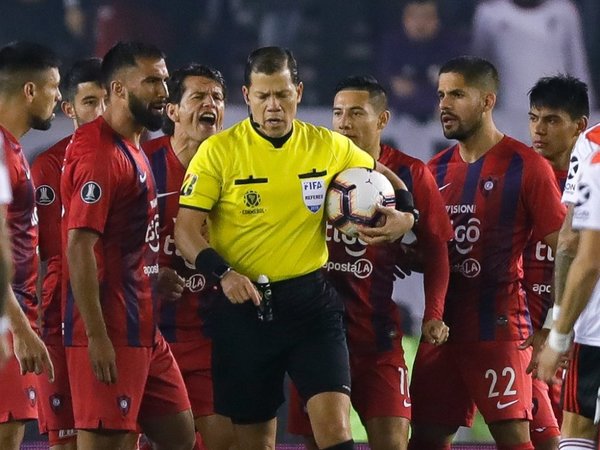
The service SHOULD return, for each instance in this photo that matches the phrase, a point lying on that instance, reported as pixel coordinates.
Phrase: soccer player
(194, 110)
(558, 113)
(123, 376)
(83, 101)
(262, 183)
(29, 91)
(5, 255)
(377, 367)
(578, 317)
(493, 186)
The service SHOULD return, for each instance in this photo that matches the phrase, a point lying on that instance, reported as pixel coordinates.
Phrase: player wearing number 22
(494, 188)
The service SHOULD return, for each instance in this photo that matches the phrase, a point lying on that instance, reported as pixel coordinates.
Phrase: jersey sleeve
(581, 152)
(586, 214)
(5, 191)
(202, 183)
(46, 179)
(353, 156)
(93, 188)
(542, 189)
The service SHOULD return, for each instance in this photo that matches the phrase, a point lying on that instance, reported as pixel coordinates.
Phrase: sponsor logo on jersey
(573, 167)
(124, 403)
(195, 283)
(501, 405)
(313, 193)
(361, 268)
(44, 195)
(91, 192)
(189, 182)
(353, 246)
(252, 201)
(461, 209)
(469, 268)
(444, 186)
(583, 194)
(143, 177)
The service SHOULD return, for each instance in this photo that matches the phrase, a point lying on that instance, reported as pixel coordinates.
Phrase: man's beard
(37, 123)
(462, 133)
(143, 115)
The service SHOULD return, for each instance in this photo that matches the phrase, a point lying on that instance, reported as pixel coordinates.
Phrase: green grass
(479, 432)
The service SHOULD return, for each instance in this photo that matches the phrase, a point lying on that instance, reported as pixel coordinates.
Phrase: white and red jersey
(5, 190)
(364, 275)
(586, 216)
(180, 320)
(22, 227)
(587, 144)
(538, 272)
(107, 187)
(46, 171)
(496, 204)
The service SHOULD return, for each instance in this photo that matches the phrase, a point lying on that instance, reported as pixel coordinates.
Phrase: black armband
(210, 264)
(406, 203)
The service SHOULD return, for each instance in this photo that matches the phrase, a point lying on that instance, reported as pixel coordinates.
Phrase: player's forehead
(278, 81)
(151, 67)
(200, 83)
(450, 81)
(90, 88)
(352, 98)
(547, 111)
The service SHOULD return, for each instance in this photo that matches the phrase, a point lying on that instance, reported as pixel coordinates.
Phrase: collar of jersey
(277, 142)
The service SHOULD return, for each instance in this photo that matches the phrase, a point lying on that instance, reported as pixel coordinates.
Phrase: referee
(262, 185)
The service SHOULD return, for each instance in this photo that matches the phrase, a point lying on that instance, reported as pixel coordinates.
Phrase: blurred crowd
(402, 42)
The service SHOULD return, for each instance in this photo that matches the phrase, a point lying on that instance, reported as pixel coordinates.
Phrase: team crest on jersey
(488, 185)
(56, 402)
(124, 403)
(31, 395)
(189, 183)
(252, 202)
(313, 193)
(44, 195)
(91, 192)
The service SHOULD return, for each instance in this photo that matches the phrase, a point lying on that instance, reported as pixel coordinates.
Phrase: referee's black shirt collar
(278, 141)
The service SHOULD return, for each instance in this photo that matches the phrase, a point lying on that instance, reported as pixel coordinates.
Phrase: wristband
(4, 325)
(210, 263)
(549, 318)
(559, 342)
(555, 312)
(406, 203)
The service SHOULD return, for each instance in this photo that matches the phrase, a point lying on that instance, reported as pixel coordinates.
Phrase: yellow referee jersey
(267, 204)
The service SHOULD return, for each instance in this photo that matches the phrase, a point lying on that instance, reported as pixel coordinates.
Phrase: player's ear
(489, 101)
(67, 109)
(383, 119)
(582, 124)
(172, 112)
(245, 95)
(117, 88)
(29, 90)
(299, 91)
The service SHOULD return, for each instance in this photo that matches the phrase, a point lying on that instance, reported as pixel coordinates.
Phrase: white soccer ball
(352, 198)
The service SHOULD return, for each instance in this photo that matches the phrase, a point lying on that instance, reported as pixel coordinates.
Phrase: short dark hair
(82, 71)
(476, 71)
(24, 59)
(125, 54)
(562, 92)
(269, 60)
(176, 86)
(367, 83)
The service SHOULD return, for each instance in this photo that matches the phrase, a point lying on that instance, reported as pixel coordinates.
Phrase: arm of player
(169, 284)
(581, 280)
(86, 291)
(30, 350)
(190, 241)
(566, 249)
(435, 280)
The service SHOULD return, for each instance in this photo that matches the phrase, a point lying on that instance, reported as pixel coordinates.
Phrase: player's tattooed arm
(83, 272)
(566, 249)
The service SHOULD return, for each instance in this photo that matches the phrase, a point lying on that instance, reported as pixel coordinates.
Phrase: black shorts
(306, 339)
(581, 388)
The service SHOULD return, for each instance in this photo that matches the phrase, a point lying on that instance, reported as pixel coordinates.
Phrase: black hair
(125, 54)
(561, 92)
(82, 71)
(476, 71)
(367, 83)
(176, 86)
(269, 60)
(22, 59)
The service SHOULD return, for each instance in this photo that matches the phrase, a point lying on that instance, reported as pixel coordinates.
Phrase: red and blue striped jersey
(46, 171)
(108, 187)
(179, 320)
(22, 227)
(364, 275)
(538, 272)
(496, 204)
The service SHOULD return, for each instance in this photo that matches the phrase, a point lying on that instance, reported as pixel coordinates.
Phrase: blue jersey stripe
(158, 163)
(442, 166)
(132, 311)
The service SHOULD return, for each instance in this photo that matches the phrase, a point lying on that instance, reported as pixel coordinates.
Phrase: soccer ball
(352, 198)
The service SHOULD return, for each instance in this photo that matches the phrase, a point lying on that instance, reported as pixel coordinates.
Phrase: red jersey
(46, 171)
(364, 276)
(495, 206)
(108, 187)
(538, 272)
(179, 320)
(22, 227)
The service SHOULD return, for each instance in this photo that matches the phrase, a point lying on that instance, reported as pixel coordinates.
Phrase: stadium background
(330, 38)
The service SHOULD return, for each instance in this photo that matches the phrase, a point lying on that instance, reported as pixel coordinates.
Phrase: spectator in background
(410, 57)
(528, 39)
